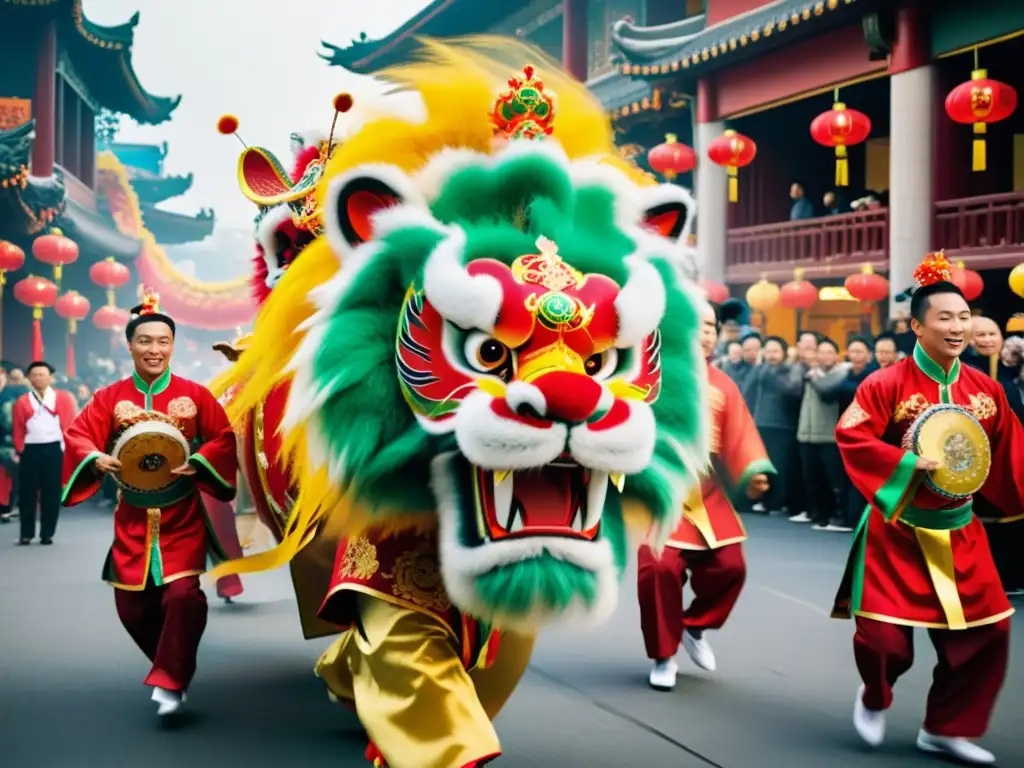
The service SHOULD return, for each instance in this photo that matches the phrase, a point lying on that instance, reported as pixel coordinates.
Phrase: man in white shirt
(40, 417)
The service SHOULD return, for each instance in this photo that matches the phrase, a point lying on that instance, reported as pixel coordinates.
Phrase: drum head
(148, 451)
(953, 437)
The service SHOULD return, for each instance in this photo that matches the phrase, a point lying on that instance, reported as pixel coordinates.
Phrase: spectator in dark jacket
(743, 372)
(774, 401)
(802, 207)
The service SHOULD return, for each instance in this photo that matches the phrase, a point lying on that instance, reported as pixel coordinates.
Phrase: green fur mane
(503, 210)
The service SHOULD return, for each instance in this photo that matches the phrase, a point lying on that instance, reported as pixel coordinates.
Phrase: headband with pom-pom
(934, 268)
(228, 126)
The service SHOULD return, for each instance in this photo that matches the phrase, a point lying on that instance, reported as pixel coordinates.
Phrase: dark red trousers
(966, 682)
(222, 517)
(167, 624)
(716, 577)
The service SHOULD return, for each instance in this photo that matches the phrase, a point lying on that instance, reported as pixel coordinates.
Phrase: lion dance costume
(492, 359)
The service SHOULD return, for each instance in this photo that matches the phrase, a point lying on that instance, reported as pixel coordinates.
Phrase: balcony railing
(826, 246)
(985, 232)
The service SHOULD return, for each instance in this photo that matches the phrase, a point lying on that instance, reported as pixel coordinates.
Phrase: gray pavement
(71, 693)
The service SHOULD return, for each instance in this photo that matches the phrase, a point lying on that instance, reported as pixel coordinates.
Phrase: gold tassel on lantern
(842, 167)
(980, 158)
(734, 184)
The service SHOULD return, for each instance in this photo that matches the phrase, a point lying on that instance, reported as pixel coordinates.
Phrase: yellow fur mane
(458, 83)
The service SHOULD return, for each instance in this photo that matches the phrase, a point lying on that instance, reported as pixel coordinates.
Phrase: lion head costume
(493, 336)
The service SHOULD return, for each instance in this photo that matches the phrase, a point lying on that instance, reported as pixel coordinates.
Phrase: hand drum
(951, 436)
(148, 451)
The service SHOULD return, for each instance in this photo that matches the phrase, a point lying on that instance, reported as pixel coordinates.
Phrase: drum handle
(908, 495)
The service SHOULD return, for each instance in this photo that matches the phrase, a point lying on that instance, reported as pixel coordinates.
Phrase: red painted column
(574, 38)
(912, 47)
(44, 101)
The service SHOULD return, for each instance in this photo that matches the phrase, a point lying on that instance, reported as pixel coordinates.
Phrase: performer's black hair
(153, 317)
(919, 299)
(39, 364)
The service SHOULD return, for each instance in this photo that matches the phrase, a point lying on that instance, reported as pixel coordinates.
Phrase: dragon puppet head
(499, 340)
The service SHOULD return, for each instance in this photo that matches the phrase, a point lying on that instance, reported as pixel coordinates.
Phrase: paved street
(71, 693)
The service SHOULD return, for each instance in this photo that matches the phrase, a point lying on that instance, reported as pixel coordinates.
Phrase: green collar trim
(151, 390)
(933, 370)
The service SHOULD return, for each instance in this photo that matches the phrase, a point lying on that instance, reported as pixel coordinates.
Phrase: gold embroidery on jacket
(359, 561)
(182, 408)
(126, 410)
(854, 416)
(983, 406)
(911, 408)
(417, 578)
(716, 399)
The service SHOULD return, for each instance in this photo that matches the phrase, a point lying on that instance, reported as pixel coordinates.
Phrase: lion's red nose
(568, 397)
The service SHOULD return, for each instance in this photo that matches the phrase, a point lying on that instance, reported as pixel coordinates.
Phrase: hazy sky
(256, 59)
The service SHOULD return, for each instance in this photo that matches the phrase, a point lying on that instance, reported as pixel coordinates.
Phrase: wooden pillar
(712, 199)
(574, 38)
(44, 101)
(914, 109)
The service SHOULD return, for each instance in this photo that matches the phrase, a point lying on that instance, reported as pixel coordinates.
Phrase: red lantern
(798, 294)
(38, 293)
(732, 151)
(111, 318)
(110, 274)
(56, 250)
(968, 281)
(867, 286)
(672, 159)
(72, 306)
(841, 128)
(978, 102)
(12, 258)
(716, 292)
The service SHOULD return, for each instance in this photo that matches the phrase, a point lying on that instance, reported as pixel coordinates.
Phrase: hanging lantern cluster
(841, 128)
(968, 281)
(798, 293)
(978, 102)
(732, 151)
(56, 250)
(672, 159)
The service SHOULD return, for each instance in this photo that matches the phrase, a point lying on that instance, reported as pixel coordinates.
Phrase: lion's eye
(602, 364)
(486, 354)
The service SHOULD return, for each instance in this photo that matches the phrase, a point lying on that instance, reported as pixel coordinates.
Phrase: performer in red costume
(920, 557)
(161, 541)
(708, 542)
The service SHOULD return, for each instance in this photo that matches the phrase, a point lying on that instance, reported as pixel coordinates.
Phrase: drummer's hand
(107, 464)
(926, 464)
(185, 469)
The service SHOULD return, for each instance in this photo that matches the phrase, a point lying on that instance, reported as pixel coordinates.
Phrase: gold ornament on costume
(910, 408)
(983, 406)
(525, 110)
(359, 561)
(853, 416)
(416, 577)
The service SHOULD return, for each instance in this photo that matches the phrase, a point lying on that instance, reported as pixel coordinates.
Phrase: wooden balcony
(985, 232)
(828, 246)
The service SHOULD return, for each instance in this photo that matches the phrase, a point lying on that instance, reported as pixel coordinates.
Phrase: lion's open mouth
(560, 499)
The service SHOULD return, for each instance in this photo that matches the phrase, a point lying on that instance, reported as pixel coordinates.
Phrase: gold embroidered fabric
(360, 560)
(416, 577)
(182, 408)
(983, 406)
(853, 416)
(911, 408)
(716, 398)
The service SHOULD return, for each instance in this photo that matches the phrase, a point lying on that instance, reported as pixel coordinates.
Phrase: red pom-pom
(933, 269)
(227, 124)
(343, 102)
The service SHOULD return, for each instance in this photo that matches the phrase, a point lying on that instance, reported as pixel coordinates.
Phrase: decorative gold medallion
(416, 577)
(126, 411)
(983, 406)
(854, 416)
(359, 561)
(182, 408)
(911, 408)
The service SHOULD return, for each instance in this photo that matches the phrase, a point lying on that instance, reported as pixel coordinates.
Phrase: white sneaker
(961, 749)
(663, 675)
(699, 651)
(870, 723)
(168, 702)
(803, 517)
(759, 508)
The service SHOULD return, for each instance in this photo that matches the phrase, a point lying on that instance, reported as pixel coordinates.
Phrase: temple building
(57, 71)
(766, 70)
(145, 166)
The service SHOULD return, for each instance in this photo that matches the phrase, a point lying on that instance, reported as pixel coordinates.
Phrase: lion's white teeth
(517, 521)
(618, 480)
(577, 521)
(503, 485)
(597, 492)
